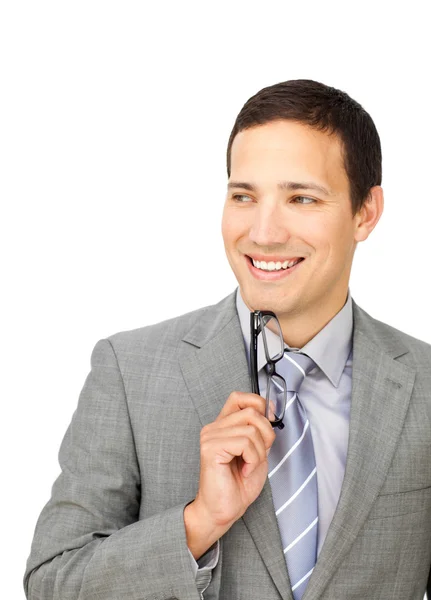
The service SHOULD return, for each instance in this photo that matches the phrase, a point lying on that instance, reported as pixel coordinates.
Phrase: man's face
(275, 225)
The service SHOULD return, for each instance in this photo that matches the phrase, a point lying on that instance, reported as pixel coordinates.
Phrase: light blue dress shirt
(326, 397)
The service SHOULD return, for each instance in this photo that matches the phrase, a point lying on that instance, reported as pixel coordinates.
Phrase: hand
(234, 465)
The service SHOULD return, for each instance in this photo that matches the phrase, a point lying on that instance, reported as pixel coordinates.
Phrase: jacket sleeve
(89, 543)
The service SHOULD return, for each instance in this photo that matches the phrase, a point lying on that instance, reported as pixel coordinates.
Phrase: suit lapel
(214, 363)
(381, 390)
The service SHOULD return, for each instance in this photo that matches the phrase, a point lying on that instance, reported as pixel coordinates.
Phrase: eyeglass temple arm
(253, 355)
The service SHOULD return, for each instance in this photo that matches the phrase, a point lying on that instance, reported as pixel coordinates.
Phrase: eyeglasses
(276, 389)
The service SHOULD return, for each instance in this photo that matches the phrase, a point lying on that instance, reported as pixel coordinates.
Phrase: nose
(268, 227)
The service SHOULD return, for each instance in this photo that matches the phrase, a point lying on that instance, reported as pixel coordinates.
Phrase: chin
(273, 300)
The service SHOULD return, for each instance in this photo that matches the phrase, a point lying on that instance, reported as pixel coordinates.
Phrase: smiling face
(288, 199)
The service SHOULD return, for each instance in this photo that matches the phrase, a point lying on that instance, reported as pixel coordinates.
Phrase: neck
(298, 329)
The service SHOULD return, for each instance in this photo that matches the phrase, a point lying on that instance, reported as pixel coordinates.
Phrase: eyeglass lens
(275, 397)
(275, 385)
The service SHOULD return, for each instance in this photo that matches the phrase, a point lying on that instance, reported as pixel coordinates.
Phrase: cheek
(339, 242)
(330, 232)
(226, 229)
(232, 227)
(317, 233)
(331, 241)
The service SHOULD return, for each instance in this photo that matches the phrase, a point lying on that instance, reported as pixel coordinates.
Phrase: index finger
(239, 400)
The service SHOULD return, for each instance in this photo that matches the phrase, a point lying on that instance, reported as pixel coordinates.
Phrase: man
(176, 480)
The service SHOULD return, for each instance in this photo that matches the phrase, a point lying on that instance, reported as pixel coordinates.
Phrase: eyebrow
(283, 185)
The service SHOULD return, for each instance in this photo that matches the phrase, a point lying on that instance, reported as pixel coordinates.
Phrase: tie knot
(296, 366)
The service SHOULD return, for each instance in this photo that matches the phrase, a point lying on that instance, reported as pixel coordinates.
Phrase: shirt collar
(330, 348)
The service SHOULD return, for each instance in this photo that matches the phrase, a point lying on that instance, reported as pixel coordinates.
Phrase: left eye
(239, 197)
(309, 200)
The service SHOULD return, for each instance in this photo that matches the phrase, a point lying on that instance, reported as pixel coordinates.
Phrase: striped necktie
(292, 476)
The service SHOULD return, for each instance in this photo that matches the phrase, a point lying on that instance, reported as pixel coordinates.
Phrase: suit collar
(212, 321)
(379, 335)
(215, 318)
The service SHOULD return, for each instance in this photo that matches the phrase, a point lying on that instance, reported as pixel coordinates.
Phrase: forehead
(288, 150)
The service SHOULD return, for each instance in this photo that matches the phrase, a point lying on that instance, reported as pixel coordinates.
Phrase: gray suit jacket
(113, 528)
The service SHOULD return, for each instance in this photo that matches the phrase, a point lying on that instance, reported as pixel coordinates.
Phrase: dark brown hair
(326, 109)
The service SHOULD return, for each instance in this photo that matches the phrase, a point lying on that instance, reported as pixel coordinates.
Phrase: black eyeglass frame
(257, 326)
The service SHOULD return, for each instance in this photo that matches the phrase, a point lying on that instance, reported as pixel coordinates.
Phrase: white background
(114, 121)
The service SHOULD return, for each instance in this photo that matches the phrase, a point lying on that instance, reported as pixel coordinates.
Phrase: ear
(368, 216)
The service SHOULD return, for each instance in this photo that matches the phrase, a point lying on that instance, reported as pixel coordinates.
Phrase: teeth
(272, 266)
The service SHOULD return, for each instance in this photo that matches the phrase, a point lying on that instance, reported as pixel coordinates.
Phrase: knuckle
(249, 444)
(250, 429)
(252, 413)
(205, 431)
(262, 402)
